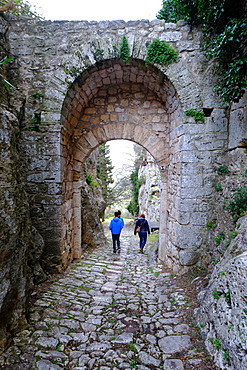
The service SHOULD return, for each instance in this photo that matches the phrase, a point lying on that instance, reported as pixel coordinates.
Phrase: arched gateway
(116, 100)
(79, 94)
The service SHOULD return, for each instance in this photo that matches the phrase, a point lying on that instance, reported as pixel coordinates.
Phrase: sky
(97, 10)
(101, 10)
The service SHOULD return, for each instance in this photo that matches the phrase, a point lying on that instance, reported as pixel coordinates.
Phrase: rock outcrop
(149, 192)
(93, 205)
(222, 315)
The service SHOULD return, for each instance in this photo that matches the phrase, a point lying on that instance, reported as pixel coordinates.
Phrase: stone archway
(116, 100)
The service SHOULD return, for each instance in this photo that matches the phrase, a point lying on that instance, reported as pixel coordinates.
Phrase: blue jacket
(116, 225)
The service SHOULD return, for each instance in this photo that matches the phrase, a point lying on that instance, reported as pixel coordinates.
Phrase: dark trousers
(115, 240)
(143, 238)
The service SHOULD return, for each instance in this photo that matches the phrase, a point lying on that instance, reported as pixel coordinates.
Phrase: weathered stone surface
(222, 311)
(173, 344)
(173, 364)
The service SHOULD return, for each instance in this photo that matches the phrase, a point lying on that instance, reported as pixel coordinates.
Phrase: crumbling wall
(222, 315)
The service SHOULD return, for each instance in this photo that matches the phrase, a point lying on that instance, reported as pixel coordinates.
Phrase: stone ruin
(73, 93)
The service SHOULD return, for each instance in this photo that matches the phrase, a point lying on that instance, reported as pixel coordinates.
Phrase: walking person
(116, 226)
(121, 218)
(142, 228)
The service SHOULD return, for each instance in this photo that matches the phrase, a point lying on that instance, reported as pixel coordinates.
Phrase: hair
(142, 215)
(116, 214)
(119, 212)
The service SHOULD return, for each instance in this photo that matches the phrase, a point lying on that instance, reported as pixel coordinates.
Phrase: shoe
(114, 250)
(141, 250)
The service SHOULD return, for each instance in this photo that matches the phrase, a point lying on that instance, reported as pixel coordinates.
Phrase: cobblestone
(107, 312)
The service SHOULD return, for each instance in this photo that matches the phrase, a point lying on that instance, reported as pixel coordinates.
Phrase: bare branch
(8, 6)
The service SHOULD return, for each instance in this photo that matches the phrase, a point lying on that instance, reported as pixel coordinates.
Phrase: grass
(153, 237)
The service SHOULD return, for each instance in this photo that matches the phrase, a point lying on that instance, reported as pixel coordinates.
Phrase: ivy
(160, 52)
(224, 27)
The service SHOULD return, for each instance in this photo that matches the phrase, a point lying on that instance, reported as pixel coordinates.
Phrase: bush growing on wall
(160, 52)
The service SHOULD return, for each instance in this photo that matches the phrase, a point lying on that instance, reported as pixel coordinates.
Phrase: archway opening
(115, 100)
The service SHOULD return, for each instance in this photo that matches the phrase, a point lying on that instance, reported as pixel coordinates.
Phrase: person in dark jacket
(144, 230)
(116, 226)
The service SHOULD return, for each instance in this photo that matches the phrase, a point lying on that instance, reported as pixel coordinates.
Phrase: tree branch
(8, 6)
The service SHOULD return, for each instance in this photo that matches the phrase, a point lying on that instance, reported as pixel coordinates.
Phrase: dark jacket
(144, 225)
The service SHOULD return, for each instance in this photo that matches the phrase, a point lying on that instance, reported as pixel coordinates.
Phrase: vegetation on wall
(197, 114)
(2, 62)
(224, 27)
(124, 51)
(160, 52)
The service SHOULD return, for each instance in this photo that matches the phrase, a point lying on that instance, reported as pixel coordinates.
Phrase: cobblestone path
(108, 311)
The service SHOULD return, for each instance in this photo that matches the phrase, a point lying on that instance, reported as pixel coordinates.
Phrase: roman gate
(80, 94)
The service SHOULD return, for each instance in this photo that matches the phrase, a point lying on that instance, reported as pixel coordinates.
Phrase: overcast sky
(98, 9)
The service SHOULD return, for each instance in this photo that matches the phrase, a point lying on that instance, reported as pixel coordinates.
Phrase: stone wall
(222, 316)
(21, 246)
(93, 205)
(79, 94)
(222, 313)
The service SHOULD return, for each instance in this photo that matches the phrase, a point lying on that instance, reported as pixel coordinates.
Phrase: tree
(224, 27)
(140, 155)
(104, 172)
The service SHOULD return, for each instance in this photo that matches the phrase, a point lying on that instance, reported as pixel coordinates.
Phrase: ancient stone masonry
(72, 93)
(79, 94)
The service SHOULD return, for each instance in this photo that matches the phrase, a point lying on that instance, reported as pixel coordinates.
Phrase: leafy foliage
(124, 51)
(224, 27)
(161, 53)
(223, 170)
(238, 206)
(2, 62)
(198, 115)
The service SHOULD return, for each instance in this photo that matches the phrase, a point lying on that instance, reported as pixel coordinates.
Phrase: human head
(119, 212)
(142, 215)
(116, 214)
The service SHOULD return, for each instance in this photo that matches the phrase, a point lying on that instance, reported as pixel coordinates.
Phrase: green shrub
(211, 225)
(218, 187)
(216, 294)
(160, 52)
(223, 170)
(197, 114)
(124, 51)
(219, 237)
(238, 206)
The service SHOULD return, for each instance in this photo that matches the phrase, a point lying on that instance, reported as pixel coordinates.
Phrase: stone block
(237, 128)
(188, 236)
(188, 258)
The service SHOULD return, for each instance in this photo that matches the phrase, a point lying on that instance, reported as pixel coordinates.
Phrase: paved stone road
(107, 312)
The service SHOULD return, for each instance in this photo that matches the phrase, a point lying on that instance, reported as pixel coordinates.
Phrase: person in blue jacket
(116, 226)
(143, 225)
